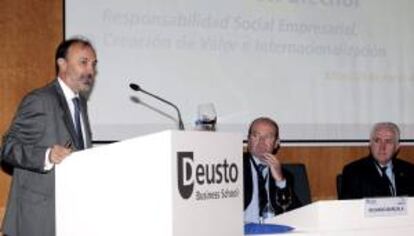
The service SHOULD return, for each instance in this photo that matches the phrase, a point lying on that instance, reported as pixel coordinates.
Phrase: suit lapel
(400, 177)
(248, 180)
(67, 117)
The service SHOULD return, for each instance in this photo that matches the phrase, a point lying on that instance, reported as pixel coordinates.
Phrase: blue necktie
(262, 188)
(78, 126)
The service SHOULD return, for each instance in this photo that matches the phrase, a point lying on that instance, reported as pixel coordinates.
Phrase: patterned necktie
(78, 127)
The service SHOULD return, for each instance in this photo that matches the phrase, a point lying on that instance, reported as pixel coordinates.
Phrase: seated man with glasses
(267, 186)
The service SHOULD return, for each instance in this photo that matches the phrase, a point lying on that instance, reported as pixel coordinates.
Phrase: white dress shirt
(69, 95)
(251, 214)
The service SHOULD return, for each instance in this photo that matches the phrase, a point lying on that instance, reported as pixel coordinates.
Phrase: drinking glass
(206, 117)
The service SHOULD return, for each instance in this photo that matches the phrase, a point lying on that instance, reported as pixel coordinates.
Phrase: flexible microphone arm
(137, 88)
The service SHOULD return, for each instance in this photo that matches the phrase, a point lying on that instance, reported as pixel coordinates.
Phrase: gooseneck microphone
(137, 88)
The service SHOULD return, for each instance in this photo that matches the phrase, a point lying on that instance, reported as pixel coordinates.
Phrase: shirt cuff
(48, 165)
(281, 184)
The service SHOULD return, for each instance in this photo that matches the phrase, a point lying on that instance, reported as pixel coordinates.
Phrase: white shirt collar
(68, 92)
(258, 161)
(389, 165)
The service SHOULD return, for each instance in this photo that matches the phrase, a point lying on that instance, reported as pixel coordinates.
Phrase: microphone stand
(180, 120)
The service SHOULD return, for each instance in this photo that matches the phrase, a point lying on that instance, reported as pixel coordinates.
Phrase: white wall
(324, 69)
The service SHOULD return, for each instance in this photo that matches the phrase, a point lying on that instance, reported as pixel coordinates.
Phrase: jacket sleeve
(285, 198)
(350, 186)
(22, 143)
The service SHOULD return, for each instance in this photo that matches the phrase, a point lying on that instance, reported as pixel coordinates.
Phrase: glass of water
(206, 117)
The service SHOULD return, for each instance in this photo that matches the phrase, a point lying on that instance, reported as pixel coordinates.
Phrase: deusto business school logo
(206, 181)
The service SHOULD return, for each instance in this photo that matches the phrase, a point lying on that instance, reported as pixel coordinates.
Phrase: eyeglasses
(257, 136)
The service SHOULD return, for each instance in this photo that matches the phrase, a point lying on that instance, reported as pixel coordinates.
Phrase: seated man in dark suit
(264, 177)
(380, 174)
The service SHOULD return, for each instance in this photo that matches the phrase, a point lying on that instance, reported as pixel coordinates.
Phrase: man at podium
(380, 174)
(50, 123)
(267, 186)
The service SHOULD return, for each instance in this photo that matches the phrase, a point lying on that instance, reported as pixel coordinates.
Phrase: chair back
(300, 181)
(339, 186)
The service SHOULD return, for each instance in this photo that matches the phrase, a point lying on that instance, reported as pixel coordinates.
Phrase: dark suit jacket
(361, 179)
(287, 192)
(43, 119)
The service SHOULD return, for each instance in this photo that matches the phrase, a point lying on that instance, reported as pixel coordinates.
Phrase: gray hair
(386, 125)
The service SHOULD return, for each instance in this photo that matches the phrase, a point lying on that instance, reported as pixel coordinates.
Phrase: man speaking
(50, 123)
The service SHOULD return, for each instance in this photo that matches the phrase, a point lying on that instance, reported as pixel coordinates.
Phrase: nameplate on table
(392, 206)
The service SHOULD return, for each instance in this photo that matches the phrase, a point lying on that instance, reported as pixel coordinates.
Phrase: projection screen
(324, 69)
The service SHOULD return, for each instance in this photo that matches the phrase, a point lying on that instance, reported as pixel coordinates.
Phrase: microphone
(137, 88)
